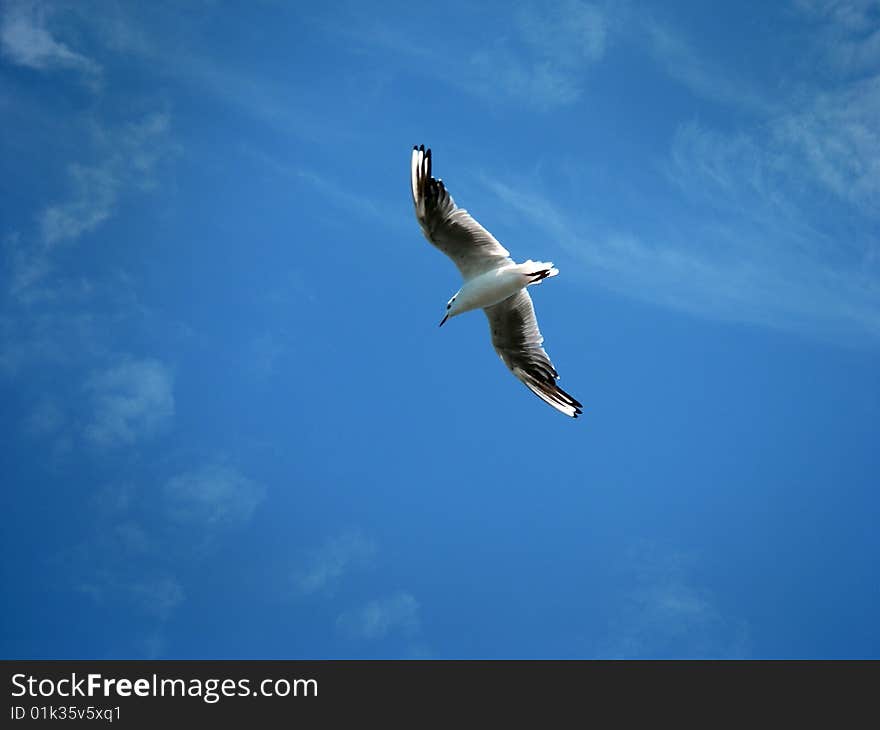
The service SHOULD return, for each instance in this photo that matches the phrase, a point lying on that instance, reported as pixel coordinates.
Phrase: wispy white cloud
(212, 497)
(663, 614)
(130, 400)
(852, 15)
(125, 160)
(745, 232)
(822, 131)
(325, 566)
(50, 319)
(713, 270)
(153, 645)
(130, 566)
(833, 139)
(54, 320)
(129, 156)
(128, 31)
(95, 194)
(498, 73)
(682, 62)
(571, 33)
(849, 31)
(124, 563)
(28, 265)
(159, 595)
(396, 614)
(357, 203)
(349, 199)
(126, 570)
(25, 40)
(262, 355)
(544, 62)
(540, 56)
(155, 596)
(58, 325)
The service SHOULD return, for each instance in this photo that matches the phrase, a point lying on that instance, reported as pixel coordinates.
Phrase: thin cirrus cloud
(680, 61)
(850, 33)
(570, 33)
(126, 563)
(126, 29)
(834, 140)
(214, 496)
(25, 40)
(540, 60)
(732, 275)
(749, 237)
(159, 596)
(130, 154)
(125, 160)
(324, 567)
(394, 615)
(134, 560)
(131, 400)
(663, 614)
(545, 60)
(95, 190)
(114, 157)
(112, 160)
(337, 194)
(823, 133)
(154, 596)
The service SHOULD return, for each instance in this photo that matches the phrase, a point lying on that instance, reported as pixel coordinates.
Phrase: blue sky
(233, 430)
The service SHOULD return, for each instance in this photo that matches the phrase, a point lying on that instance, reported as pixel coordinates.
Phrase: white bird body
(496, 285)
(492, 282)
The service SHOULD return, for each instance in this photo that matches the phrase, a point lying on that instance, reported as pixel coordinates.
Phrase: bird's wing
(517, 340)
(451, 229)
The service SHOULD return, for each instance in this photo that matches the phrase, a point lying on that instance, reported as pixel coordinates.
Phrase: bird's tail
(536, 271)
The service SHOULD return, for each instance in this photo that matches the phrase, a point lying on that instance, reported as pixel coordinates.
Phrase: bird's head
(451, 310)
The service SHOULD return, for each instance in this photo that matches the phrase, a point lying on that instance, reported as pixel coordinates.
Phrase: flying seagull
(492, 281)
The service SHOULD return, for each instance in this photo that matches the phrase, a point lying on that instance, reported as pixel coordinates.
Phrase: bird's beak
(443, 320)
